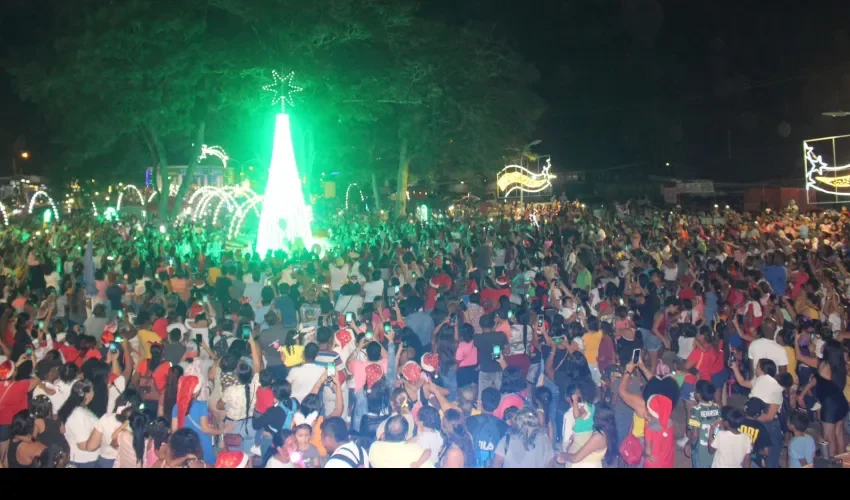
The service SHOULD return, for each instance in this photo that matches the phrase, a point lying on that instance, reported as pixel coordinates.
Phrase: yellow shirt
(146, 338)
(637, 426)
(792, 362)
(592, 340)
(295, 358)
(213, 274)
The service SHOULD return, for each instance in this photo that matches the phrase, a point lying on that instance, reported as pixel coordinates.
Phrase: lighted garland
(5, 217)
(348, 190)
(94, 208)
(219, 193)
(132, 188)
(239, 219)
(38, 194)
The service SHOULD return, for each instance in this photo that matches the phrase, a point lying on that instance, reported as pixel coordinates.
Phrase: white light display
(216, 151)
(132, 188)
(515, 177)
(816, 168)
(94, 208)
(238, 220)
(5, 217)
(347, 191)
(42, 194)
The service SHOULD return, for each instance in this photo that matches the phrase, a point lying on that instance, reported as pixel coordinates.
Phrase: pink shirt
(358, 369)
(507, 401)
(466, 355)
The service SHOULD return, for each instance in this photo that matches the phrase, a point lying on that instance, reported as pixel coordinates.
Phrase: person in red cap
(493, 291)
(439, 284)
(233, 460)
(659, 438)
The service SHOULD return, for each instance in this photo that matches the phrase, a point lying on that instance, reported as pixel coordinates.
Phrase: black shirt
(485, 342)
(666, 386)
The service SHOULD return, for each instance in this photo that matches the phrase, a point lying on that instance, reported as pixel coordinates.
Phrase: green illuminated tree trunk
(375, 192)
(403, 171)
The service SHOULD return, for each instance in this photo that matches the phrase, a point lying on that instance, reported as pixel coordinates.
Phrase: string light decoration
(94, 208)
(283, 89)
(515, 177)
(285, 216)
(148, 177)
(216, 151)
(816, 168)
(238, 220)
(129, 187)
(41, 194)
(5, 217)
(151, 197)
(348, 189)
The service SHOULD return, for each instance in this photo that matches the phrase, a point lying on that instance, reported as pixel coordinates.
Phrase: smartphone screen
(369, 335)
(388, 327)
(331, 370)
(113, 347)
(540, 321)
(396, 289)
(41, 325)
(246, 331)
(635, 356)
(413, 275)
(29, 350)
(392, 301)
(120, 314)
(510, 314)
(206, 298)
(349, 317)
(497, 351)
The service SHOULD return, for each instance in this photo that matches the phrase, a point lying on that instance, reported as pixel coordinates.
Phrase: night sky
(725, 90)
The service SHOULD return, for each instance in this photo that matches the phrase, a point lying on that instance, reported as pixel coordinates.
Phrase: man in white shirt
(339, 273)
(374, 288)
(343, 453)
(765, 347)
(393, 451)
(304, 377)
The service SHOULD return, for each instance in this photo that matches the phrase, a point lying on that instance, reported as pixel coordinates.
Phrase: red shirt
(69, 353)
(13, 398)
(662, 447)
(490, 298)
(444, 282)
(160, 327)
(704, 361)
(265, 399)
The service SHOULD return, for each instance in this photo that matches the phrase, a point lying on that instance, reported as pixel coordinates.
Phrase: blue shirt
(801, 447)
(286, 307)
(775, 275)
(710, 306)
(422, 325)
(193, 421)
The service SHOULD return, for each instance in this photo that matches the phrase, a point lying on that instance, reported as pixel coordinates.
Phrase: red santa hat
(374, 373)
(232, 460)
(431, 363)
(411, 371)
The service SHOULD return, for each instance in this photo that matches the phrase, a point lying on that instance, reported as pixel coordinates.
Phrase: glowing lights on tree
(515, 177)
(285, 216)
(129, 187)
(283, 89)
(42, 194)
(216, 151)
(5, 216)
(94, 209)
(238, 220)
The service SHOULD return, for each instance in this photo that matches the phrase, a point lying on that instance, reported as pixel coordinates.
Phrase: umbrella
(88, 270)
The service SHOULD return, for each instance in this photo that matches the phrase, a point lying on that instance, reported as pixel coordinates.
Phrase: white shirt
(303, 378)
(348, 304)
(766, 348)
(63, 390)
(106, 426)
(78, 429)
(338, 276)
(767, 389)
(274, 463)
(731, 450)
(55, 400)
(234, 399)
(116, 388)
(373, 289)
(349, 450)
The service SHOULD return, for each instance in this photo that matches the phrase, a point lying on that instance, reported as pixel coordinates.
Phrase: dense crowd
(546, 335)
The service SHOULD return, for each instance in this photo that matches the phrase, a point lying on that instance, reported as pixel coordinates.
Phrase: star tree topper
(283, 89)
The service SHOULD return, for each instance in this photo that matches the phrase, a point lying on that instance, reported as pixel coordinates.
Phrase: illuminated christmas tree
(285, 216)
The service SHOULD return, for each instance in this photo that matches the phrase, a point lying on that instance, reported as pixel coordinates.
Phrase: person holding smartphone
(492, 347)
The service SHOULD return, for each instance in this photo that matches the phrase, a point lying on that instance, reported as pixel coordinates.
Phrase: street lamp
(25, 155)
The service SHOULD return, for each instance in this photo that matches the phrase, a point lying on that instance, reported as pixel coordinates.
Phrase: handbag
(631, 448)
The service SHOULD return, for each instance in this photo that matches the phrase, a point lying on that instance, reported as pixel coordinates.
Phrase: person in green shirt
(584, 279)
(700, 420)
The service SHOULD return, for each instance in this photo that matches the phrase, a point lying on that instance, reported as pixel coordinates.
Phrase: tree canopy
(133, 84)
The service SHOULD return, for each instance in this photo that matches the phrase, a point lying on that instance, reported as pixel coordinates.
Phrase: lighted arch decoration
(226, 199)
(5, 216)
(515, 177)
(129, 187)
(239, 219)
(42, 194)
(348, 190)
(152, 196)
(243, 192)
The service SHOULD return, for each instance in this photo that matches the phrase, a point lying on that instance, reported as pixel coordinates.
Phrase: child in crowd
(429, 436)
(801, 448)
(466, 357)
(306, 455)
(731, 447)
(702, 417)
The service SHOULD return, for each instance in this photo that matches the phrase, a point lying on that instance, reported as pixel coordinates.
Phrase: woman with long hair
(140, 441)
(24, 448)
(102, 437)
(79, 422)
(149, 379)
(828, 381)
(526, 444)
(184, 452)
(169, 395)
(277, 456)
(458, 451)
(600, 447)
(48, 428)
(13, 398)
(97, 372)
(239, 400)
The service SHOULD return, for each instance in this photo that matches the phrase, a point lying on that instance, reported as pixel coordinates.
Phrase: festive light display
(283, 89)
(129, 187)
(216, 151)
(347, 191)
(238, 220)
(42, 194)
(285, 216)
(94, 209)
(816, 167)
(149, 177)
(515, 177)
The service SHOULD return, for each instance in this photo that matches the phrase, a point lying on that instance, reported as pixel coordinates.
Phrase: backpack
(485, 439)
(147, 388)
(290, 412)
(359, 463)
